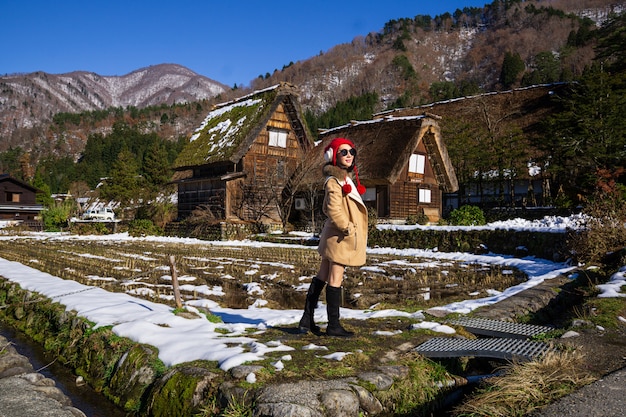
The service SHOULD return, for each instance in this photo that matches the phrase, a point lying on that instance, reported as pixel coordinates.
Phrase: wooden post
(179, 304)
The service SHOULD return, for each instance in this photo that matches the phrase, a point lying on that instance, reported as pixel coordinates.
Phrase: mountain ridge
(32, 99)
(400, 63)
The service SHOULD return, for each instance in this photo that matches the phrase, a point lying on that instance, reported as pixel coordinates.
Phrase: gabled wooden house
(403, 162)
(516, 113)
(18, 200)
(240, 159)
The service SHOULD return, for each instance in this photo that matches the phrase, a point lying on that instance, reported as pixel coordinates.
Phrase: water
(90, 402)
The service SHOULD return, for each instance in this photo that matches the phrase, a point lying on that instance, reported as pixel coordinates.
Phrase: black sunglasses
(344, 152)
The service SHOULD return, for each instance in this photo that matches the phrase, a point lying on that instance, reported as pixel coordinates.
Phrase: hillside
(402, 64)
(29, 101)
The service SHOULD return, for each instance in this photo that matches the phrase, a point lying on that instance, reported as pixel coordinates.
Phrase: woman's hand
(350, 230)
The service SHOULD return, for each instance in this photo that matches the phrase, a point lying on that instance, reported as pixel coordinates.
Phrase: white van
(102, 213)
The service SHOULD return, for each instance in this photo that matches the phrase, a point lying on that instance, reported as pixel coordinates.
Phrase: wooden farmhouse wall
(405, 192)
(268, 168)
(18, 201)
(207, 193)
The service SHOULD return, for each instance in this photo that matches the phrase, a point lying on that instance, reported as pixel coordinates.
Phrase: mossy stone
(182, 391)
(135, 373)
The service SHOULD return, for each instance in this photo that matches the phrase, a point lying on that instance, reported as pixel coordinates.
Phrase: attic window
(12, 197)
(417, 162)
(278, 138)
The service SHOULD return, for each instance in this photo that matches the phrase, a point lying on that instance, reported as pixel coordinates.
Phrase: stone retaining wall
(26, 393)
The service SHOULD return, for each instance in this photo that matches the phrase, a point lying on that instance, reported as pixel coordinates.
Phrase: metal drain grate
(497, 328)
(501, 348)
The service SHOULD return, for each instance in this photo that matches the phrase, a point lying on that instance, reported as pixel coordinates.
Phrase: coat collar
(343, 177)
(331, 170)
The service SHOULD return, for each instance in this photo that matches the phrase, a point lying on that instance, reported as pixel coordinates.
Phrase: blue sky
(231, 42)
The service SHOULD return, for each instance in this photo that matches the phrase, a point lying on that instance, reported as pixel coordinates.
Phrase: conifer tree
(512, 67)
(123, 184)
(156, 166)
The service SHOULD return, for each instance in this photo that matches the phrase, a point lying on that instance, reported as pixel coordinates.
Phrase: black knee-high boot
(333, 301)
(307, 322)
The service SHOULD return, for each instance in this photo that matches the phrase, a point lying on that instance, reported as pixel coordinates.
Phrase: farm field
(239, 276)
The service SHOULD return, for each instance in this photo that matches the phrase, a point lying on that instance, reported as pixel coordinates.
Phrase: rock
(243, 371)
(379, 380)
(367, 401)
(581, 323)
(396, 372)
(24, 393)
(12, 363)
(284, 410)
(340, 403)
(437, 312)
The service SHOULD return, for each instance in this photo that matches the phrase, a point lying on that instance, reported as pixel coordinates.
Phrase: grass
(605, 312)
(525, 387)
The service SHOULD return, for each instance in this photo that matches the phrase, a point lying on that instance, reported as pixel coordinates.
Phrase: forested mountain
(413, 61)
(29, 102)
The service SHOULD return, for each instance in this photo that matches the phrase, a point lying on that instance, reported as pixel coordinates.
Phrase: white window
(278, 138)
(424, 195)
(417, 163)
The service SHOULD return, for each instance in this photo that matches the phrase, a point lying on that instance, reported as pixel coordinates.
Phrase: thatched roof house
(521, 108)
(402, 161)
(240, 158)
(513, 118)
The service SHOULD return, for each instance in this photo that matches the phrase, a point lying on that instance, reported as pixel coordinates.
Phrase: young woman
(344, 237)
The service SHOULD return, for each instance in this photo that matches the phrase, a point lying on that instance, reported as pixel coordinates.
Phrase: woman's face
(345, 156)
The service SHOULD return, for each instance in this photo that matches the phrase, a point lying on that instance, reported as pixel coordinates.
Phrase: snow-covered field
(232, 342)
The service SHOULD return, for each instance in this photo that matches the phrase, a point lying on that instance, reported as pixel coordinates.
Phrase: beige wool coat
(344, 237)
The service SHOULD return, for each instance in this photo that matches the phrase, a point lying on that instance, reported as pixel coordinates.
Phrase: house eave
(26, 209)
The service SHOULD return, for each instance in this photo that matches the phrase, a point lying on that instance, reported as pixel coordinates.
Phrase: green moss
(416, 394)
(179, 392)
(135, 373)
(241, 121)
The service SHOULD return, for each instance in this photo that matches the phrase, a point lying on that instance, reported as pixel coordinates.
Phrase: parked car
(101, 214)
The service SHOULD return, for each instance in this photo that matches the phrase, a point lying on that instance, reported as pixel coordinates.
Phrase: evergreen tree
(123, 185)
(10, 162)
(612, 44)
(512, 67)
(590, 133)
(355, 108)
(44, 198)
(156, 167)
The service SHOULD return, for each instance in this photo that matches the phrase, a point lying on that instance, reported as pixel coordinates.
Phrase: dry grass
(524, 387)
(141, 268)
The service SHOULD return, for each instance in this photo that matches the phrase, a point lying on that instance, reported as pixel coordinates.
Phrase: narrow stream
(90, 402)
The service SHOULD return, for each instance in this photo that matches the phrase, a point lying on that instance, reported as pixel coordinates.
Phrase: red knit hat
(330, 155)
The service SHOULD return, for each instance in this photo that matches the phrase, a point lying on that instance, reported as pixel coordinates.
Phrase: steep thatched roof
(521, 108)
(230, 128)
(385, 145)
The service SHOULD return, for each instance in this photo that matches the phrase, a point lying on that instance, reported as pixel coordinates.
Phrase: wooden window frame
(278, 138)
(13, 197)
(417, 163)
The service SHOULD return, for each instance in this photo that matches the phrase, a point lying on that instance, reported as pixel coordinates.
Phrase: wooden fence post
(179, 304)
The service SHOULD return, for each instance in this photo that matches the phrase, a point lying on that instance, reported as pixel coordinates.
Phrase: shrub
(420, 218)
(55, 218)
(89, 228)
(467, 216)
(605, 231)
(143, 227)
(372, 219)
